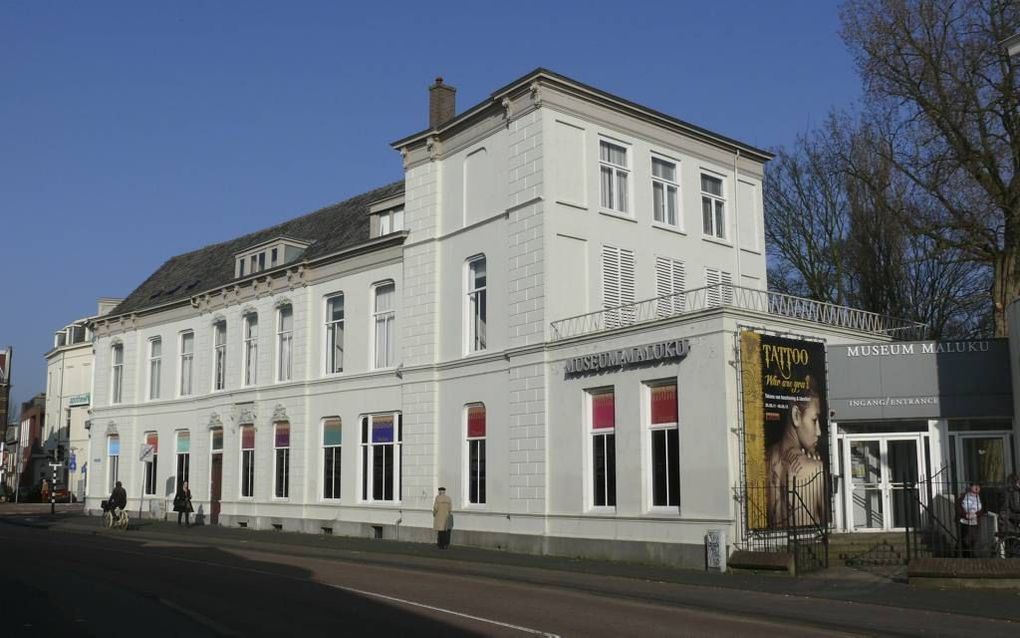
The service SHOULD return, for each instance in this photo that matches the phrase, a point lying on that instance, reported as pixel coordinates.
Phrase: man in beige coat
(442, 518)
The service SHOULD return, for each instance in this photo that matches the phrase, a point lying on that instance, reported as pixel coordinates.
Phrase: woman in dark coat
(182, 504)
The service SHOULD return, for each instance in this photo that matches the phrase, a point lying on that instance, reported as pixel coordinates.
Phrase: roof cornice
(592, 94)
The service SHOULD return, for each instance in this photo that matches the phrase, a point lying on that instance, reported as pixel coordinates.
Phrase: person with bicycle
(1009, 517)
(117, 503)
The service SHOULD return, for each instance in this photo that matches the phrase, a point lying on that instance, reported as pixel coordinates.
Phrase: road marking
(362, 592)
(527, 630)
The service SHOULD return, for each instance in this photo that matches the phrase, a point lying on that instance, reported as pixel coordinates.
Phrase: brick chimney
(442, 103)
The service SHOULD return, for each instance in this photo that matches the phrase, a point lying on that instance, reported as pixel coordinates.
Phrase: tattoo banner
(786, 434)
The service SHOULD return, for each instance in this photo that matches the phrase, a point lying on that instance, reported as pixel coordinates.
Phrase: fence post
(907, 487)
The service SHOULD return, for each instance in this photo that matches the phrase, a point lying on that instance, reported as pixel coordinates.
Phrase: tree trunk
(1005, 285)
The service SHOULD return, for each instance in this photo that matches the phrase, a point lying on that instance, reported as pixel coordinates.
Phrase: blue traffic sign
(72, 464)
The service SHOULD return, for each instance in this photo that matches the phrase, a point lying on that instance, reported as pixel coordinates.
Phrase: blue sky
(130, 132)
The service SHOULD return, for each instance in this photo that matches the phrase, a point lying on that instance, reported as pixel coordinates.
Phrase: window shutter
(670, 280)
(720, 287)
(611, 285)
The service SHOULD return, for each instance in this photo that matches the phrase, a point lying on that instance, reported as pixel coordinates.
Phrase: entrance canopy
(920, 380)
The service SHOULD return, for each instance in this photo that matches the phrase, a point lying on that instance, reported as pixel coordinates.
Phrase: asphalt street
(74, 579)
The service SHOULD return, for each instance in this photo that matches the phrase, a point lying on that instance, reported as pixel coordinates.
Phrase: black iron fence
(792, 518)
(941, 520)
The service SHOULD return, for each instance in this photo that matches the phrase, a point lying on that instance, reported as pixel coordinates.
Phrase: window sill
(715, 240)
(618, 215)
(664, 510)
(602, 510)
(668, 228)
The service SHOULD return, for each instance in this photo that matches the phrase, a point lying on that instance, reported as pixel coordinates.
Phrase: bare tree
(835, 216)
(944, 95)
(806, 217)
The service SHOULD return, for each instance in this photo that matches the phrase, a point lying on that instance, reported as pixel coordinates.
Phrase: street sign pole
(53, 489)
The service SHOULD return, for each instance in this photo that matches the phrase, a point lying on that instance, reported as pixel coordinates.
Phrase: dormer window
(391, 221)
(386, 216)
(270, 254)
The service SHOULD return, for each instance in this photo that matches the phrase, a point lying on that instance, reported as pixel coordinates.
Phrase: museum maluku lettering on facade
(616, 359)
(902, 349)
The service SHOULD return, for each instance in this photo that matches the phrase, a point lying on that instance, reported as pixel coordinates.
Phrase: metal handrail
(739, 297)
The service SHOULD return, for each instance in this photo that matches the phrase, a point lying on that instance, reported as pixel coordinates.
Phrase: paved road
(170, 583)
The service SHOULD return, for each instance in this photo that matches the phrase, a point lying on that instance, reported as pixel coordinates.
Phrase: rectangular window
(183, 457)
(251, 349)
(603, 447)
(476, 300)
(247, 461)
(665, 444)
(217, 440)
(155, 366)
(117, 373)
(719, 287)
(391, 221)
(476, 453)
(281, 447)
(384, 316)
(614, 172)
(335, 334)
(664, 192)
(285, 343)
(152, 440)
(273, 253)
(113, 458)
(670, 283)
(381, 458)
(219, 355)
(332, 438)
(187, 361)
(713, 206)
(618, 286)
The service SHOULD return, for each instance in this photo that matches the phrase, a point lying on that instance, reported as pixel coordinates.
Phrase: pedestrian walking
(442, 518)
(44, 491)
(970, 510)
(182, 504)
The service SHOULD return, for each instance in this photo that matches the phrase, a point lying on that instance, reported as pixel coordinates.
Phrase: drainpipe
(736, 234)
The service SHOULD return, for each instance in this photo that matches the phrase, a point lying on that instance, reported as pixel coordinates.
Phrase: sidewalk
(843, 584)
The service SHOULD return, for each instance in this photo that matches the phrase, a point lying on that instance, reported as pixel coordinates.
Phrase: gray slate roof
(331, 229)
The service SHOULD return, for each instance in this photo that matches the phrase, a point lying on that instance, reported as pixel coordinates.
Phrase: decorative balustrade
(728, 295)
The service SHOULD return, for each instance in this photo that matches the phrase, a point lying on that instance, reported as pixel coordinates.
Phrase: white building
(68, 396)
(330, 373)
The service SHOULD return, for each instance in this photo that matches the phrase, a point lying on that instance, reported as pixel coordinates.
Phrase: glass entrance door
(881, 468)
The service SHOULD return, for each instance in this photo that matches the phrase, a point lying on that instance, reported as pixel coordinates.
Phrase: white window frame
(391, 221)
(468, 470)
(219, 367)
(332, 327)
(649, 430)
(336, 451)
(116, 373)
(155, 367)
(150, 469)
(187, 365)
(618, 172)
(177, 457)
(284, 345)
(112, 463)
(250, 342)
(240, 462)
(286, 463)
(589, 434)
(475, 312)
(717, 232)
(389, 319)
(367, 460)
(666, 184)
